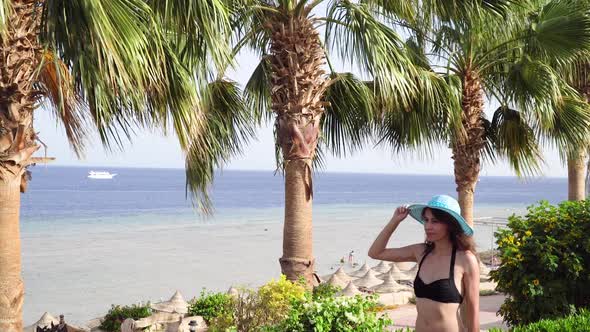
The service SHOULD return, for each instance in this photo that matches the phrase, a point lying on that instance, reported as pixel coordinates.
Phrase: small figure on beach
(448, 268)
(351, 257)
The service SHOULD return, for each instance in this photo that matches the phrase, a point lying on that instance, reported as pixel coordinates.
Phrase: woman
(448, 272)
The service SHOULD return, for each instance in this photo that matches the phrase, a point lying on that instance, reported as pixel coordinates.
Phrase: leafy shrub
(269, 305)
(324, 290)
(545, 260)
(574, 323)
(334, 314)
(117, 314)
(210, 305)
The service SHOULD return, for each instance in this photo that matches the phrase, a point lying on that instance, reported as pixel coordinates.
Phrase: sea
(88, 244)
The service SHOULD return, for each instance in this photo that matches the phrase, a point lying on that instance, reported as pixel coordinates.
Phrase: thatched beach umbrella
(382, 267)
(368, 280)
(342, 275)
(413, 271)
(405, 266)
(349, 290)
(45, 321)
(336, 281)
(389, 285)
(484, 272)
(360, 272)
(396, 273)
(233, 291)
(176, 304)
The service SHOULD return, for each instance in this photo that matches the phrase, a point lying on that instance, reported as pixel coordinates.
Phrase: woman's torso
(438, 282)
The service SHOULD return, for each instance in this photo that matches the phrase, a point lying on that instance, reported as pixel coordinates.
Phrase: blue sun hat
(444, 203)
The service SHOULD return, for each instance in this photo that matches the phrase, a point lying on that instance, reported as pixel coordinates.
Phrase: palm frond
(515, 140)
(560, 30)
(405, 10)
(68, 107)
(5, 11)
(257, 92)
(569, 129)
(360, 39)
(121, 64)
(228, 126)
(198, 30)
(441, 11)
(432, 118)
(346, 124)
(248, 21)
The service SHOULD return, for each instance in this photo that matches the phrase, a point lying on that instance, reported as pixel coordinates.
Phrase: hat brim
(416, 213)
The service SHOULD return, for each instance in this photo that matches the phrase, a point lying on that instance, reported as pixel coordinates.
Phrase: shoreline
(80, 271)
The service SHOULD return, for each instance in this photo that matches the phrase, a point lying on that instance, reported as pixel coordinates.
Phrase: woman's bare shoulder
(467, 259)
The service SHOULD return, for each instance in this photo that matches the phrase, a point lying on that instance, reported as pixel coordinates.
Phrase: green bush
(210, 305)
(325, 290)
(117, 314)
(334, 314)
(545, 262)
(267, 306)
(574, 323)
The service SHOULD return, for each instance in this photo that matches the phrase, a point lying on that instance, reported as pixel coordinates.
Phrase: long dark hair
(458, 238)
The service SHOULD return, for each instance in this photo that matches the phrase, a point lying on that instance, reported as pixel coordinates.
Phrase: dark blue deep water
(58, 193)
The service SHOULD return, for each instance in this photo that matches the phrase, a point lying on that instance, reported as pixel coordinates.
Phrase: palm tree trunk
(298, 84)
(19, 58)
(297, 260)
(11, 284)
(576, 171)
(467, 149)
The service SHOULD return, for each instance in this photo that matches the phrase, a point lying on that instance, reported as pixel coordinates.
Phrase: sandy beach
(81, 271)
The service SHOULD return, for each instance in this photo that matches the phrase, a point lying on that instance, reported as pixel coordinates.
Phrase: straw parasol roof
(484, 272)
(176, 304)
(368, 280)
(413, 271)
(405, 266)
(361, 272)
(45, 321)
(342, 275)
(396, 273)
(336, 281)
(349, 290)
(389, 285)
(233, 291)
(382, 267)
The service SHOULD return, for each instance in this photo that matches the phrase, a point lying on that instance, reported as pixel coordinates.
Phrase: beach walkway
(405, 316)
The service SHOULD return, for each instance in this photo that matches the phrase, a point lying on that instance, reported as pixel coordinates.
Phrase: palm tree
(110, 65)
(576, 74)
(500, 54)
(297, 83)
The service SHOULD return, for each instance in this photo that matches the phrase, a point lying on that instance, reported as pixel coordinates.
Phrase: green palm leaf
(561, 30)
(360, 39)
(346, 124)
(198, 29)
(121, 64)
(515, 139)
(257, 91)
(5, 11)
(228, 126)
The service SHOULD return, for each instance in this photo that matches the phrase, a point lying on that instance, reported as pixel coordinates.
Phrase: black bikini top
(442, 290)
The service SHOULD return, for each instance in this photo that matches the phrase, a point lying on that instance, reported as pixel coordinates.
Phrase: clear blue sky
(150, 149)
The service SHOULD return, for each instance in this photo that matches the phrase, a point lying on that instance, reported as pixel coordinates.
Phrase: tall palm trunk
(576, 164)
(467, 149)
(11, 284)
(298, 84)
(19, 59)
(576, 173)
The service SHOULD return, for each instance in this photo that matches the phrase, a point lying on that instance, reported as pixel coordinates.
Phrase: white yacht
(101, 175)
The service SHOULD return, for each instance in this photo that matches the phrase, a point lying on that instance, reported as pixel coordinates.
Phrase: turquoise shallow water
(88, 244)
